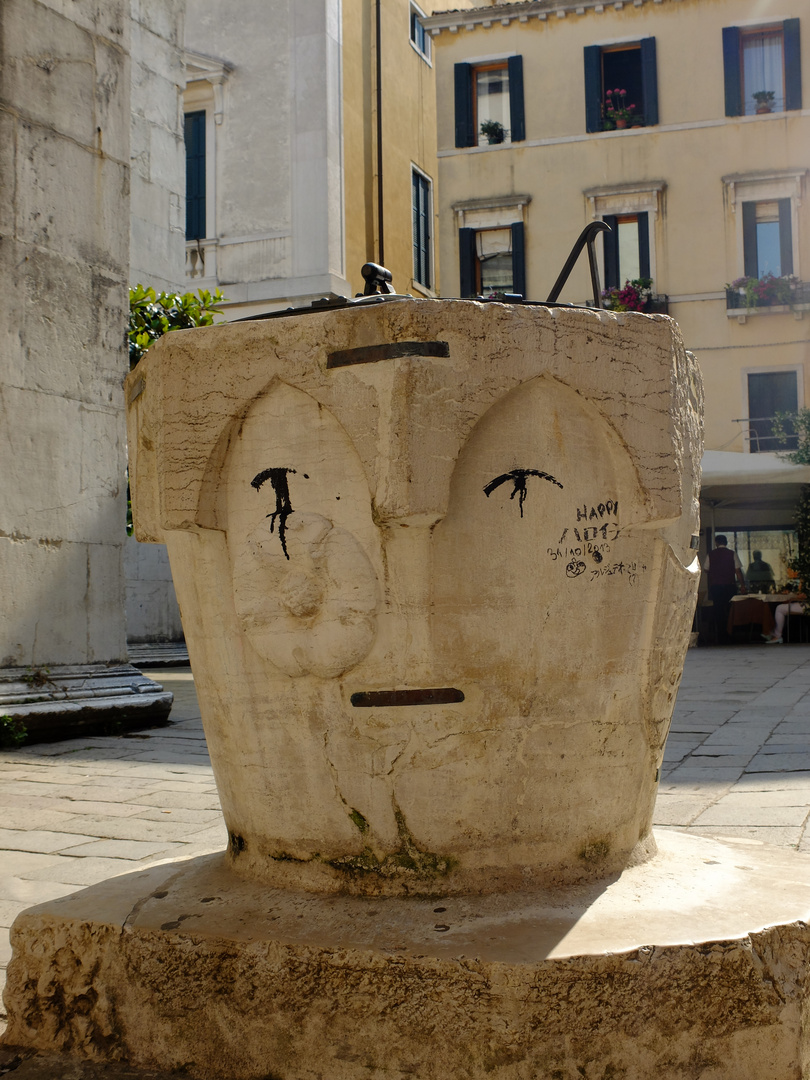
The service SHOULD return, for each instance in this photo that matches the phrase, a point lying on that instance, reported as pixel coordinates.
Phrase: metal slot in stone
(370, 354)
(368, 699)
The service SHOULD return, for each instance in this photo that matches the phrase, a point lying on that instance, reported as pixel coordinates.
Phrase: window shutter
(649, 81)
(731, 70)
(467, 259)
(465, 136)
(610, 242)
(785, 238)
(517, 116)
(194, 132)
(519, 258)
(750, 261)
(593, 88)
(644, 244)
(793, 66)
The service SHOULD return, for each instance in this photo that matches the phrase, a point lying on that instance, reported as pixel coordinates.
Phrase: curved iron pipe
(587, 236)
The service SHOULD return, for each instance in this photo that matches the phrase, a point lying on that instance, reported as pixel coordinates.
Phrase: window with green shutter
(762, 68)
(489, 103)
(621, 85)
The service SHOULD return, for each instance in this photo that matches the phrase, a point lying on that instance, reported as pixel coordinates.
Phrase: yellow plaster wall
(691, 149)
(409, 137)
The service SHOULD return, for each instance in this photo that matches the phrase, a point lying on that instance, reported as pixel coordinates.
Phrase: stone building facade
(65, 112)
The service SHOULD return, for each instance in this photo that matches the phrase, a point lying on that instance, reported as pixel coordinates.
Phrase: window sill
(420, 54)
(624, 130)
(743, 314)
(423, 290)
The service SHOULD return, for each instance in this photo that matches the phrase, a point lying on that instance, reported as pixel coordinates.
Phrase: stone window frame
(764, 187)
(206, 79)
(417, 31)
(428, 286)
(627, 200)
(504, 212)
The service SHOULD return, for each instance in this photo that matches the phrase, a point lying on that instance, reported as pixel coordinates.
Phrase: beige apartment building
(682, 124)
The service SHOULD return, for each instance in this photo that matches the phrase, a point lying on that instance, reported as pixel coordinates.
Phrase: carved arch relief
(300, 535)
(541, 501)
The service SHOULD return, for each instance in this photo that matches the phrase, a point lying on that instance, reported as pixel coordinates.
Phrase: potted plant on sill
(634, 296)
(618, 114)
(493, 131)
(764, 100)
(767, 291)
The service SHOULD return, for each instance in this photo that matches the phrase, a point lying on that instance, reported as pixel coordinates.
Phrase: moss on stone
(359, 821)
(595, 852)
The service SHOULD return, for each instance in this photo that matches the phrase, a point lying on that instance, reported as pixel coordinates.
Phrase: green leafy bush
(151, 315)
(13, 733)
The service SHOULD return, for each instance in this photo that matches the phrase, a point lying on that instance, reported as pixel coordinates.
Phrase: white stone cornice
(210, 69)
(764, 183)
(521, 12)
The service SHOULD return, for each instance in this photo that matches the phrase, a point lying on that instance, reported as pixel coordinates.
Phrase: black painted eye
(518, 478)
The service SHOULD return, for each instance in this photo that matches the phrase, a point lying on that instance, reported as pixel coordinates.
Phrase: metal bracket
(587, 236)
(374, 275)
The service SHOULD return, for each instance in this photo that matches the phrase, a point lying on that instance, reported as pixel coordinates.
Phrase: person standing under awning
(725, 571)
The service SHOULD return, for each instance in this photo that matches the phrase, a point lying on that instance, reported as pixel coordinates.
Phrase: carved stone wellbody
(508, 516)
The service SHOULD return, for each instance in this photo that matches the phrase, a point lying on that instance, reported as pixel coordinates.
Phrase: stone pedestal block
(73, 699)
(691, 965)
(436, 568)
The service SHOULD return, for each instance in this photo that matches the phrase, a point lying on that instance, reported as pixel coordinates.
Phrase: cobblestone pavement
(737, 764)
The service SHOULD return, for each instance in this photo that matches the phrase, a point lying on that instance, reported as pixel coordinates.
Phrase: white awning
(723, 468)
(763, 483)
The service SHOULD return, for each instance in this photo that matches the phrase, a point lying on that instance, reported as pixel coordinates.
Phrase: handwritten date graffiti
(518, 478)
(280, 485)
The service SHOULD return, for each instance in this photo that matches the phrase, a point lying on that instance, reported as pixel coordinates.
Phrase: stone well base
(692, 965)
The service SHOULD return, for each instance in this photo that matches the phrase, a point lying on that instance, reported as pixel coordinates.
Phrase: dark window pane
(421, 230)
(194, 129)
(492, 101)
(419, 35)
(621, 70)
(770, 393)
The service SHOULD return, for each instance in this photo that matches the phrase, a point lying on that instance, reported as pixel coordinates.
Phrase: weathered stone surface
(506, 514)
(64, 103)
(157, 226)
(690, 965)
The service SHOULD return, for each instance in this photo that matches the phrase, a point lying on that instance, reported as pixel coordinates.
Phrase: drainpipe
(380, 234)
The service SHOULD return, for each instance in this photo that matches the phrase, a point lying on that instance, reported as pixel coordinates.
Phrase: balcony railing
(759, 434)
(767, 292)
